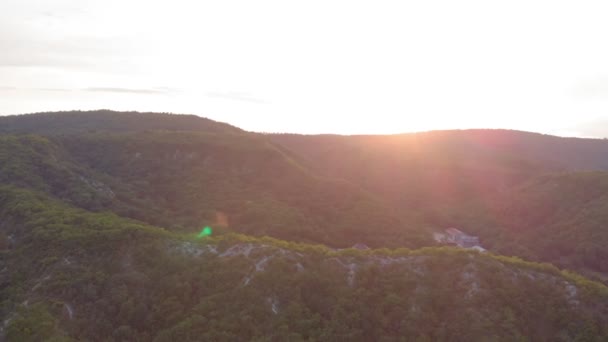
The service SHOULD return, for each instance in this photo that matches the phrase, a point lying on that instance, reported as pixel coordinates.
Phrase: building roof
(454, 231)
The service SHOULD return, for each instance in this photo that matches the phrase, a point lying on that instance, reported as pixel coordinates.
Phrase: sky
(347, 67)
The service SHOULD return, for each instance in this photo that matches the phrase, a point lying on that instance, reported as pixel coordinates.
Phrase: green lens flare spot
(205, 232)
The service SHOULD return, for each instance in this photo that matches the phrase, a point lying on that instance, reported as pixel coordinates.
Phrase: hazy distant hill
(503, 146)
(106, 120)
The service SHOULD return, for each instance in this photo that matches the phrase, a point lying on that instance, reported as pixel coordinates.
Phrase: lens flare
(205, 232)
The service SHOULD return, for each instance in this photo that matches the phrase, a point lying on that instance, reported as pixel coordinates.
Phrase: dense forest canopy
(100, 215)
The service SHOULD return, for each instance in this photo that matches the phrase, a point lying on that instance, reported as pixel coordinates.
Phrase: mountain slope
(186, 180)
(100, 214)
(191, 176)
(72, 275)
(379, 190)
(524, 194)
(37, 163)
(437, 174)
(444, 169)
(557, 218)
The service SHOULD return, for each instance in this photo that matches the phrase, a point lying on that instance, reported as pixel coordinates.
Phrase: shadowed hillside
(499, 145)
(523, 193)
(558, 218)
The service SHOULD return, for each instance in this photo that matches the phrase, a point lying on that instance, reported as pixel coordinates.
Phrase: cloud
(60, 13)
(62, 47)
(76, 53)
(8, 88)
(53, 89)
(235, 96)
(143, 91)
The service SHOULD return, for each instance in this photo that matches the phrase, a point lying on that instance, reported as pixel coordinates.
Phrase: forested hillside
(558, 218)
(189, 177)
(184, 180)
(439, 174)
(443, 172)
(100, 215)
(72, 275)
(524, 194)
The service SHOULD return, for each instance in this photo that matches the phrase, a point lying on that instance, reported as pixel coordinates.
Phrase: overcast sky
(315, 66)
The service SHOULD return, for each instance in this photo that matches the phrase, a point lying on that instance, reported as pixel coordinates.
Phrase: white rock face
(240, 249)
(194, 249)
(274, 304)
(261, 265)
(261, 256)
(98, 187)
(69, 310)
